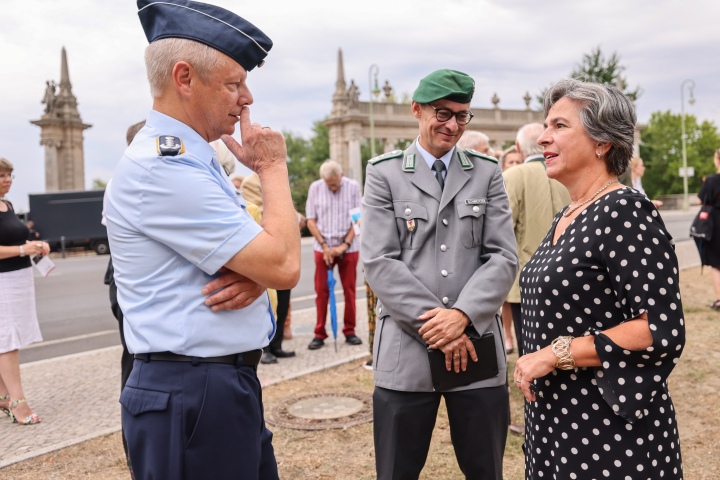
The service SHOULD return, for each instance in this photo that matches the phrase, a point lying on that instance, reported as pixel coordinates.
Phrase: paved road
(74, 312)
(74, 309)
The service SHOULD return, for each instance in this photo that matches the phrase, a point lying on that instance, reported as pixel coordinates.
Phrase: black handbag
(702, 226)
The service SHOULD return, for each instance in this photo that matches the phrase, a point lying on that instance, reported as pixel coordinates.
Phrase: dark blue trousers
(187, 421)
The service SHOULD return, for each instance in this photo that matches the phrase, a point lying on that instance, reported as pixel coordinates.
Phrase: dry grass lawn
(348, 454)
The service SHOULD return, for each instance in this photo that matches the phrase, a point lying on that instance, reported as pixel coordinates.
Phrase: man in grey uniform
(440, 254)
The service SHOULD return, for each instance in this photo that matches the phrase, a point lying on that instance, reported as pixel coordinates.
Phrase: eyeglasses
(4, 176)
(445, 114)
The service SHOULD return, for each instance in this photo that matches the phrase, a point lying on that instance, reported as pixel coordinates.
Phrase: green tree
(597, 68)
(661, 151)
(98, 184)
(304, 159)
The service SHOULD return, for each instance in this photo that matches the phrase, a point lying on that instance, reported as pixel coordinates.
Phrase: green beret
(445, 84)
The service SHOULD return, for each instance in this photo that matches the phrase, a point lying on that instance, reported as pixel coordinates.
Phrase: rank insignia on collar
(167, 145)
(409, 163)
(465, 162)
(411, 225)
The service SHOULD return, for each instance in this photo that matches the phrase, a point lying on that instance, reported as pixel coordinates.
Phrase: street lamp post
(371, 91)
(691, 100)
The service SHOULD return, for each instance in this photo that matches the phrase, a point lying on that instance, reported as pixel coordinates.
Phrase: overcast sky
(509, 47)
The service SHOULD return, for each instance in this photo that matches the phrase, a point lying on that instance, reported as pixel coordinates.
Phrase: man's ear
(183, 75)
(517, 145)
(416, 109)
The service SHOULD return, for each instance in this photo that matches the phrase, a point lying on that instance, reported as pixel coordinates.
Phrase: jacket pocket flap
(409, 210)
(139, 400)
(466, 210)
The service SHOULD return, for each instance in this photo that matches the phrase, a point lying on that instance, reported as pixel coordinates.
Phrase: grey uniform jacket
(423, 248)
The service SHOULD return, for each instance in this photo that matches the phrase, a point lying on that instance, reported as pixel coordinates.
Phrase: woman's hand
(36, 248)
(532, 366)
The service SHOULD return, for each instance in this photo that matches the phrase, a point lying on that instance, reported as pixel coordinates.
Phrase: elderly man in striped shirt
(329, 202)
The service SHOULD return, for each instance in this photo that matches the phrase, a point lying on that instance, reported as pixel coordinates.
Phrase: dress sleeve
(643, 271)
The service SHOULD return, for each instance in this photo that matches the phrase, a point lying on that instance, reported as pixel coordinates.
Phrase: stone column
(389, 144)
(51, 166)
(354, 160)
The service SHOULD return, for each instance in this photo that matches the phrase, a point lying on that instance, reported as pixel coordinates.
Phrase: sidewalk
(77, 395)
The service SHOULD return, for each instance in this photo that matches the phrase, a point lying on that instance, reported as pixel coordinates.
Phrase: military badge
(167, 145)
(411, 225)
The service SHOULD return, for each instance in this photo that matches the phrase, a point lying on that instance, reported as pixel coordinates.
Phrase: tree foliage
(98, 184)
(661, 151)
(304, 159)
(597, 68)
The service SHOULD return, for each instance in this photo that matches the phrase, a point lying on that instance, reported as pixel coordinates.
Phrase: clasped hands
(445, 330)
(330, 254)
(233, 291)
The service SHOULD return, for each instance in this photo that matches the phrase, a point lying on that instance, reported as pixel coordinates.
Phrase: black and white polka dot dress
(612, 263)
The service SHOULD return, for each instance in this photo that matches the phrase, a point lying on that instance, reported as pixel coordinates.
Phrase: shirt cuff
(222, 254)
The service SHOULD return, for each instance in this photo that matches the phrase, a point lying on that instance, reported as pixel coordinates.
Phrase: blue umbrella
(333, 308)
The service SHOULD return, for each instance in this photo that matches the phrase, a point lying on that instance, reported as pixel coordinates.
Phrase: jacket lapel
(422, 177)
(455, 180)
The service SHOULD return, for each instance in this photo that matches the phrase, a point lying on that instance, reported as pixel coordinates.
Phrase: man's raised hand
(261, 147)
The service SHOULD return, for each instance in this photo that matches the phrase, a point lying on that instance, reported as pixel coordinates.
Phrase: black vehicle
(74, 214)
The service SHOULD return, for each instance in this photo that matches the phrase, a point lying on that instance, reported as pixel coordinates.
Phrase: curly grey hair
(607, 116)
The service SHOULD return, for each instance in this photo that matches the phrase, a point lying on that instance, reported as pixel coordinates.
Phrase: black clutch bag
(486, 366)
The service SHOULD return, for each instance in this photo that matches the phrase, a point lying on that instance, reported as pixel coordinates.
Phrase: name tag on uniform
(476, 201)
(411, 225)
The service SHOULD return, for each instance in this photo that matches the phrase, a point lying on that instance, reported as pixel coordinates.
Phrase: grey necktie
(438, 167)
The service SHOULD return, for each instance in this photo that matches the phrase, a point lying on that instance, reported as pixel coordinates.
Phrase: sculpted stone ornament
(388, 91)
(353, 94)
(49, 98)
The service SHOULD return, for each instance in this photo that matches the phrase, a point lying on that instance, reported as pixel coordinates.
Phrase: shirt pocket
(472, 217)
(412, 220)
(138, 400)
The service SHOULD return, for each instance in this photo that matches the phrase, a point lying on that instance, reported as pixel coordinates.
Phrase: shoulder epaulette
(168, 145)
(480, 155)
(385, 156)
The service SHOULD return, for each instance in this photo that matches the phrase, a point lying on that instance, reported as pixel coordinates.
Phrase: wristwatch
(22, 251)
(346, 243)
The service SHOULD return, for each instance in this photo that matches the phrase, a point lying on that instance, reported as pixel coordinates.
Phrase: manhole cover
(322, 411)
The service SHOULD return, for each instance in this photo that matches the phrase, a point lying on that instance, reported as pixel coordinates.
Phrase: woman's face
(567, 147)
(512, 160)
(5, 182)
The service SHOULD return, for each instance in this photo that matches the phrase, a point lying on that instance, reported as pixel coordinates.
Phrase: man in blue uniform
(192, 406)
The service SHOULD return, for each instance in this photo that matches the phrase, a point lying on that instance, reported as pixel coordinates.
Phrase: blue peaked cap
(214, 26)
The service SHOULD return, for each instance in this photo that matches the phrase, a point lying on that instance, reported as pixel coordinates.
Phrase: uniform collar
(430, 160)
(194, 143)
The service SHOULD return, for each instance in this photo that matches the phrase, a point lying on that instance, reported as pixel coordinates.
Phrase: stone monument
(62, 135)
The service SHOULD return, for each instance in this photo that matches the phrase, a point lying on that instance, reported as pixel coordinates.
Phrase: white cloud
(509, 47)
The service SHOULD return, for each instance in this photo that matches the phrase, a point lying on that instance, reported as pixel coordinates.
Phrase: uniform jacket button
(476, 209)
(408, 211)
(445, 300)
(445, 222)
(443, 248)
(444, 273)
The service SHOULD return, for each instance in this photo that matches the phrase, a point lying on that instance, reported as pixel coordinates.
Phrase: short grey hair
(162, 55)
(6, 166)
(330, 169)
(527, 138)
(607, 116)
(471, 139)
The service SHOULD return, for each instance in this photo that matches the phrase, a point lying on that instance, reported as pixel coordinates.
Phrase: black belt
(251, 358)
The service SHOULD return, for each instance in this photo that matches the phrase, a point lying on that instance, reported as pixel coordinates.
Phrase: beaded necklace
(569, 211)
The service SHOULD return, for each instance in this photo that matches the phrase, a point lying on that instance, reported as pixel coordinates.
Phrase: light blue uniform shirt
(430, 160)
(173, 222)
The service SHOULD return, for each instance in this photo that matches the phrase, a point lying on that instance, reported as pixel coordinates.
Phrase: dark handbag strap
(714, 203)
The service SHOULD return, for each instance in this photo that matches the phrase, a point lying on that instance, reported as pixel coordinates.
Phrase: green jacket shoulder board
(480, 155)
(385, 156)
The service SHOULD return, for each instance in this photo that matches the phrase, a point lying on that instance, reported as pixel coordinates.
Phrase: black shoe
(353, 339)
(280, 353)
(368, 365)
(268, 357)
(316, 343)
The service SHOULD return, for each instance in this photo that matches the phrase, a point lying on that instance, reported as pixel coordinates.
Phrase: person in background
(710, 251)
(34, 234)
(328, 206)
(511, 158)
(18, 317)
(603, 323)
(637, 170)
(237, 180)
(477, 141)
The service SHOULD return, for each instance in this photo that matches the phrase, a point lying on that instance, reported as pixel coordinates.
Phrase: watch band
(22, 251)
(347, 243)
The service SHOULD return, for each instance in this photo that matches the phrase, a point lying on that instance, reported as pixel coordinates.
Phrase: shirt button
(445, 300)
(444, 273)
(445, 222)
(476, 209)
(408, 211)
(443, 248)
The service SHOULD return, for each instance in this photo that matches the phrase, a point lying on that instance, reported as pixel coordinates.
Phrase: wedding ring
(39, 245)
(456, 354)
(265, 127)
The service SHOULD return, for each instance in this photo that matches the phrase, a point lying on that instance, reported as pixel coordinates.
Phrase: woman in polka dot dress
(602, 314)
